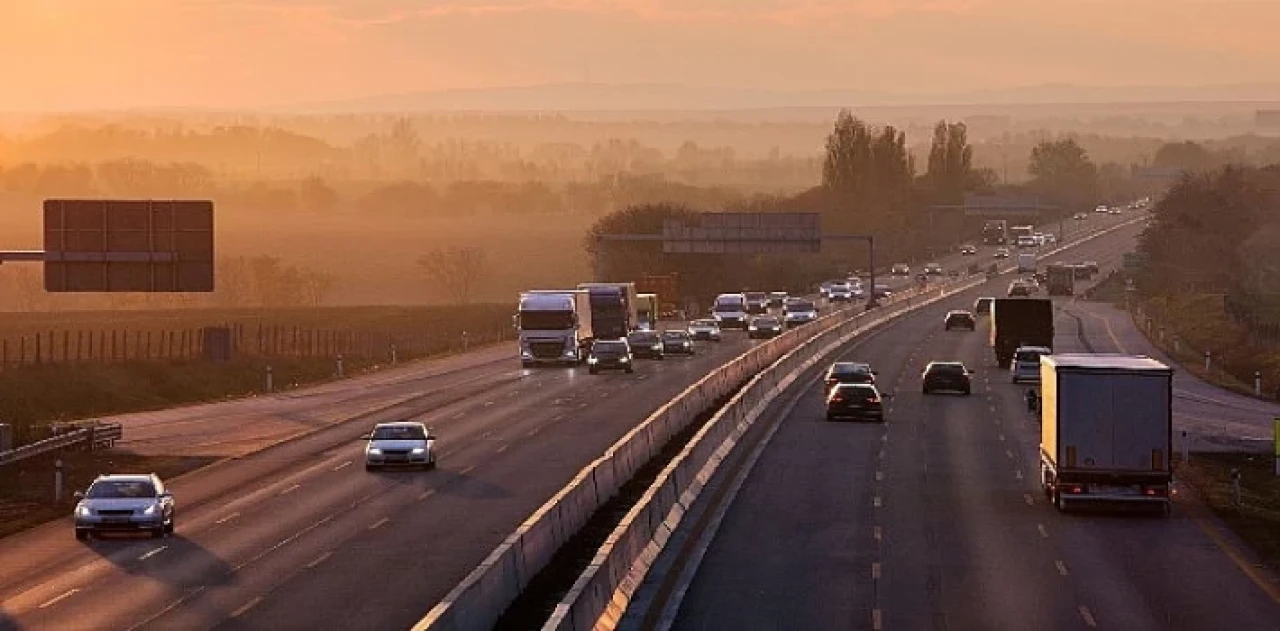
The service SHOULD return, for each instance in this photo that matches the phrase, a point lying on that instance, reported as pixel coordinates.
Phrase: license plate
(1114, 490)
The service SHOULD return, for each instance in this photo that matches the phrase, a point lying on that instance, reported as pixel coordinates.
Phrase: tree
(950, 172)
(458, 270)
(1062, 172)
(869, 176)
(1188, 156)
(316, 195)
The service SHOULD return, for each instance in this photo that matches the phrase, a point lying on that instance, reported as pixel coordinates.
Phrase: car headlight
(592, 360)
(658, 346)
(375, 451)
(526, 354)
(151, 510)
(624, 359)
(82, 511)
(752, 328)
(687, 343)
(418, 451)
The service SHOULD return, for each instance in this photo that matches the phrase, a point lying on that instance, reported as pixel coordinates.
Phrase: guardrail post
(394, 358)
(466, 341)
(57, 481)
(341, 371)
(1186, 448)
(271, 382)
(6, 437)
(1257, 383)
(1208, 360)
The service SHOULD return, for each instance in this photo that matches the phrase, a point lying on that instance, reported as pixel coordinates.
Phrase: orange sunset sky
(76, 54)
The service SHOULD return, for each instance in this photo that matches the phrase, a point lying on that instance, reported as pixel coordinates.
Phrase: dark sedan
(677, 342)
(764, 327)
(960, 319)
(858, 401)
(645, 344)
(953, 376)
(610, 355)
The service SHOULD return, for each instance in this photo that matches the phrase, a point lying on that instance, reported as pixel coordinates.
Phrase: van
(1026, 363)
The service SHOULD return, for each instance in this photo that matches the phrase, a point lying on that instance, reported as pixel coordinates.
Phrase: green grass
(1201, 324)
(1257, 520)
(33, 395)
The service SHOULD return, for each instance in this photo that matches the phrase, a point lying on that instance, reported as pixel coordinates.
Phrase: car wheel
(661, 357)
(526, 364)
(368, 467)
(171, 526)
(630, 370)
(830, 416)
(925, 390)
(966, 392)
(157, 532)
(593, 371)
(82, 534)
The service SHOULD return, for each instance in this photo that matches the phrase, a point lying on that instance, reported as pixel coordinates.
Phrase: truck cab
(730, 311)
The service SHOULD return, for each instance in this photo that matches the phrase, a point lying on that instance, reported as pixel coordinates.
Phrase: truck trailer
(613, 309)
(554, 326)
(1106, 430)
(667, 288)
(995, 232)
(647, 312)
(1020, 322)
(1060, 279)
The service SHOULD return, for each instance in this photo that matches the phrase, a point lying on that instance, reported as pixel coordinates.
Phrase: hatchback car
(982, 306)
(764, 327)
(677, 342)
(610, 355)
(399, 444)
(707, 329)
(1025, 366)
(858, 401)
(959, 319)
(645, 344)
(124, 503)
(946, 375)
(848, 372)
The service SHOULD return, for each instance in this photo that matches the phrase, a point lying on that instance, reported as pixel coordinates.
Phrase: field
(33, 394)
(1257, 519)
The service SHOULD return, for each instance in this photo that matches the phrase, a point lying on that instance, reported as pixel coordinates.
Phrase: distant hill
(655, 97)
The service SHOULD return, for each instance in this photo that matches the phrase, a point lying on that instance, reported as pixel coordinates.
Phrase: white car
(399, 443)
(124, 503)
(1025, 366)
(799, 311)
(840, 292)
(706, 329)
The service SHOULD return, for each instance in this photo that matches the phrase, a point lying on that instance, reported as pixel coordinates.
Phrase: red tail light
(836, 397)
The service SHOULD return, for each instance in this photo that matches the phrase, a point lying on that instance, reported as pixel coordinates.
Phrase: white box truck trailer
(1106, 430)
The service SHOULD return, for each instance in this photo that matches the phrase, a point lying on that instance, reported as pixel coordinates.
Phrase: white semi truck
(1106, 430)
(555, 326)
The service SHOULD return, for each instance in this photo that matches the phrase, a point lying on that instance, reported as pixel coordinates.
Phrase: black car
(610, 355)
(1018, 288)
(946, 376)
(982, 306)
(677, 342)
(645, 344)
(777, 299)
(764, 327)
(959, 319)
(858, 401)
(968, 250)
(848, 372)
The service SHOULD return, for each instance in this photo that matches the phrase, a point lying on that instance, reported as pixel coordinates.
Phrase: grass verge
(27, 487)
(1257, 519)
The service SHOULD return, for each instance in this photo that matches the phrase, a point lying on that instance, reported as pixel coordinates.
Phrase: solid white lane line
(342, 466)
(290, 489)
(1088, 616)
(380, 523)
(875, 571)
(57, 599)
(1044, 532)
(318, 560)
(1062, 568)
(227, 518)
(246, 607)
(151, 553)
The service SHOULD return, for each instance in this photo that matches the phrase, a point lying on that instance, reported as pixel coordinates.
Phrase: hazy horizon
(76, 55)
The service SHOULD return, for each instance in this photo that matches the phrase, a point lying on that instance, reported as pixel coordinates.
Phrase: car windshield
(845, 368)
(857, 392)
(399, 432)
(642, 338)
(609, 347)
(675, 335)
(769, 321)
(800, 306)
(947, 369)
(704, 323)
(121, 489)
(1028, 356)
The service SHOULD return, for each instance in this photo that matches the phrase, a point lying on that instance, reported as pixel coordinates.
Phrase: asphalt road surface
(935, 520)
(299, 536)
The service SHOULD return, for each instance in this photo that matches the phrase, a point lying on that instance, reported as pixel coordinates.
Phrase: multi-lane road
(299, 536)
(935, 520)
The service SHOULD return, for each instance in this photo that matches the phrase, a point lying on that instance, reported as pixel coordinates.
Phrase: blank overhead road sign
(999, 206)
(128, 245)
(744, 233)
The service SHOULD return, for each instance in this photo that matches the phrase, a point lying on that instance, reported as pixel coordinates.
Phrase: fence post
(66, 345)
(1208, 360)
(57, 481)
(340, 368)
(1257, 383)
(270, 380)
(37, 348)
(465, 341)
(1186, 448)
(1235, 488)
(393, 353)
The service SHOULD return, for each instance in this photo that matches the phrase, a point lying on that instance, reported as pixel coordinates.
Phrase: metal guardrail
(90, 435)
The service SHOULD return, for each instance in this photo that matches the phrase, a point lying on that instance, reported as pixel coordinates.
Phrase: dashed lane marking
(1017, 473)
(380, 523)
(1001, 436)
(877, 620)
(875, 571)
(535, 430)
(1044, 532)
(227, 518)
(57, 599)
(1062, 568)
(501, 448)
(290, 489)
(875, 501)
(465, 470)
(1026, 497)
(878, 533)
(318, 560)
(151, 553)
(246, 607)
(425, 494)
(1008, 453)
(1088, 616)
(342, 466)
(879, 475)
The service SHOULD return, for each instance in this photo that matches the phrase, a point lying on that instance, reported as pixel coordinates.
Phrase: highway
(289, 532)
(935, 520)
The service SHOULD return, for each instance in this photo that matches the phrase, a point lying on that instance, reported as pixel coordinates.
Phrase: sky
(94, 54)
